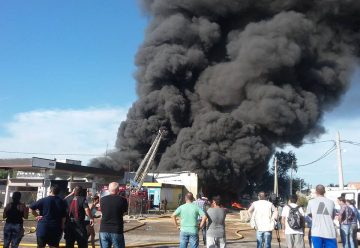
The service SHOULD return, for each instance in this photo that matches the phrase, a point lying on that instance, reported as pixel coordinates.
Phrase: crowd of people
(209, 217)
(320, 216)
(74, 217)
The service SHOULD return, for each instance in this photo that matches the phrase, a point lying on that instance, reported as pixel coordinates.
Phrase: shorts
(319, 242)
(295, 240)
(49, 239)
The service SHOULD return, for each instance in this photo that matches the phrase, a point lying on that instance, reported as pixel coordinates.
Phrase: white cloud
(81, 131)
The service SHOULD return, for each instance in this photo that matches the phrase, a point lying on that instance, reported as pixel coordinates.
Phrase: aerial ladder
(145, 165)
(137, 196)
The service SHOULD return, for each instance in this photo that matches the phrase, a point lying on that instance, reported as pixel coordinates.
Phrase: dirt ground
(159, 231)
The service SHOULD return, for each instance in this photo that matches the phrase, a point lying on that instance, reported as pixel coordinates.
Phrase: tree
(285, 161)
(3, 174)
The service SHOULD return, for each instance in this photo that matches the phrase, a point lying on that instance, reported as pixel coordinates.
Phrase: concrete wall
(173, 196)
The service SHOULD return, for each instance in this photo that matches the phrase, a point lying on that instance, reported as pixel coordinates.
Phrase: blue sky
(67, 54)
(66, 82)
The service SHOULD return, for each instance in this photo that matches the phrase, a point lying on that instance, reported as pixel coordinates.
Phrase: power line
(333, 148)
(317, 142)
(328, 152)
(63, 154)
(101, 155)
(51, 154)
(350, 142)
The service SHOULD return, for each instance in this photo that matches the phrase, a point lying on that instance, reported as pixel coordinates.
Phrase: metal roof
(25, 164)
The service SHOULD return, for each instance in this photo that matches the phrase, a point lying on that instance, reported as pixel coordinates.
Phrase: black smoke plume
(232, 80)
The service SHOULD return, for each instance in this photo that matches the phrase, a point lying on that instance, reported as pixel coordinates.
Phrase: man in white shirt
(263, 219)
(322, 212)
(293, 223)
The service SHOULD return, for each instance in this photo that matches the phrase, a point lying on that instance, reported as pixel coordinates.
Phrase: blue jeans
(263, 237)
(112, 239)
(353, 236)
(13, 234)
(345, 235)
(203, 231)
(191, 238)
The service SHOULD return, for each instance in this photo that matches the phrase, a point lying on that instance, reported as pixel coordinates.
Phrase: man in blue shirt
(50, 213)
(202, 203)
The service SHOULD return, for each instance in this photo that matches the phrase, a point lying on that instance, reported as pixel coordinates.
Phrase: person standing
(90, 227)
(165, 206)
(75, 226)
(345, 218)
(14, 213)
(293, 223)
(322, 212)
(113, 208)
(50, 213)
(308, 221)
(353, 227)
(202, 203)
(189, 214)
(215, 237)
(263, 216)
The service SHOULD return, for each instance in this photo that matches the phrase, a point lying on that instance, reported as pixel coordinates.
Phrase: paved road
(152, 230)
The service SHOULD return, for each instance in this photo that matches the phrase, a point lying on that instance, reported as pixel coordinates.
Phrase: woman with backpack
(293, 221)
(14, 213)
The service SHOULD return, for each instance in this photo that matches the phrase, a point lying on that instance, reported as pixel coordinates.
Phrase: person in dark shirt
(75, 226)
(14, 213)
(50, 214)
(113, 208)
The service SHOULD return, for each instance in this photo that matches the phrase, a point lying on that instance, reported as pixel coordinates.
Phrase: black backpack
(295, 219)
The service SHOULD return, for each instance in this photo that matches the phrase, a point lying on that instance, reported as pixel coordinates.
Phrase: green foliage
(3, 174)
(285, 162)
(302, 201)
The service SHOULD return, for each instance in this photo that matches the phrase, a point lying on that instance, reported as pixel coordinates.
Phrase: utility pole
(339, 160)
(276, 188)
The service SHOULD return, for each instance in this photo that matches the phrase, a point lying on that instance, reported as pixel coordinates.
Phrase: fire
(237, 205)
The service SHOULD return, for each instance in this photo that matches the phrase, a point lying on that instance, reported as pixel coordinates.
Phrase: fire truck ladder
(144, 167)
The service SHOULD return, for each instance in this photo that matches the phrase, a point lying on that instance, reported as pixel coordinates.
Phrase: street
(159, 231)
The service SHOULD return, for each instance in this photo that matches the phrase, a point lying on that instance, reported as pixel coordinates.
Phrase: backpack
(295, 219)
(74, 209)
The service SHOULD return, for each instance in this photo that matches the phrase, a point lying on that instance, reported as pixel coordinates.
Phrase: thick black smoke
(234, 79)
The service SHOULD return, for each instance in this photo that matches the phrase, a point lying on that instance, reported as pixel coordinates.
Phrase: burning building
(231, 80)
